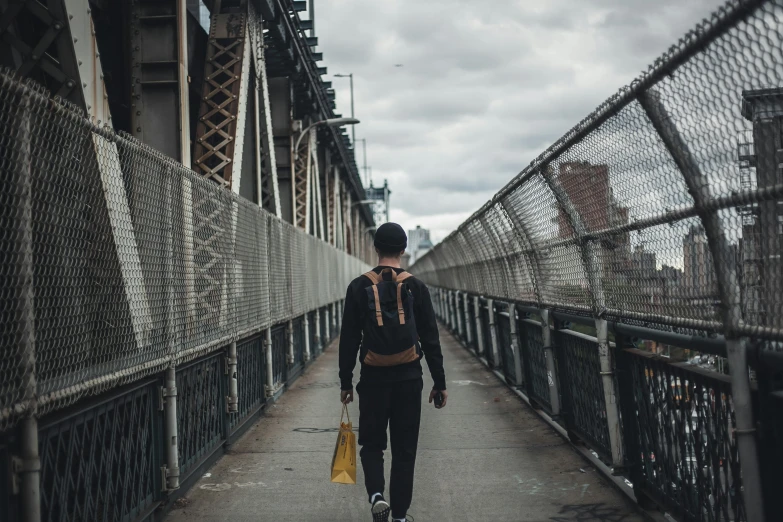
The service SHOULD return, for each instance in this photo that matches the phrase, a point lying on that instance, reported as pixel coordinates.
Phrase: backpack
(390, 335)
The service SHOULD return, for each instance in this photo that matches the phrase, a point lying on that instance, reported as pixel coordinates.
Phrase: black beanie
(390, 237)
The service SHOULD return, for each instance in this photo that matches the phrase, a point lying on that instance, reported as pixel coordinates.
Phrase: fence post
(551, 369)
(493, 331)
(171, 470)
(306, 328)
(610, 398)
(317, 338)
(328, 320)
(289, 329)
(232, 401)
(479, 329)
(591, 260)
(515, 346)
(270, 370)
(466, 300)
(449, 318)
(730, 294)
(460, 331)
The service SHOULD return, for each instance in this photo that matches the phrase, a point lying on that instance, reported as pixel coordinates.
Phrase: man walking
(389, 321)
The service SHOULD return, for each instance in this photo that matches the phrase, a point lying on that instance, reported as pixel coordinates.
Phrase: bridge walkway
(486, 457)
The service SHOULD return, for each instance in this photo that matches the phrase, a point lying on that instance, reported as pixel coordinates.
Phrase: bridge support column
(479, 329)
(306, 323)
(492, 330)
(171, 470)
(546, 335)
(289, 329)
(468, 336)
(232, 401)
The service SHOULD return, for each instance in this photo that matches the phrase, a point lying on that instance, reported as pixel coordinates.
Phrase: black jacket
(351, 337)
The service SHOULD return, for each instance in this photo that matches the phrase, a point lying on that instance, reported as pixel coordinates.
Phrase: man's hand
(445, 394)
(346, 396)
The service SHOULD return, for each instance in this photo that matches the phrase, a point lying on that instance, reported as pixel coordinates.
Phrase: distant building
(699, 273)
(418, 243)
(589, 190)
(590, 193)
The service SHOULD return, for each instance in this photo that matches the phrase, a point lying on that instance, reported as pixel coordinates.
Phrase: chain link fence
(664, 205)
(120, 262)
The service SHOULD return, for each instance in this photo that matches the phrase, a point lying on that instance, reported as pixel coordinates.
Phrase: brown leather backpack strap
(372, 276)
(400, 311)
(402, 276)
(378, 314)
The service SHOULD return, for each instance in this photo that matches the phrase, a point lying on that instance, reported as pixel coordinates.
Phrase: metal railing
(677, 423)
(646, 215)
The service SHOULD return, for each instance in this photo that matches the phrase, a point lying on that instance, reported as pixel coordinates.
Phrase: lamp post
(331, 122)
(353, 130)
(364, 151)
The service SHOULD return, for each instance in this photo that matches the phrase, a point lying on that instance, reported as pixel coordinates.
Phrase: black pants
(398, 405)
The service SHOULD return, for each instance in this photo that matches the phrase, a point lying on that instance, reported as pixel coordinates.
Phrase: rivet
(58, 26)
(138, 113)
(35, 57)
(138, 129)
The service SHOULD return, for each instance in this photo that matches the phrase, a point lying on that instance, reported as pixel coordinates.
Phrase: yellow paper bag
(344, 460)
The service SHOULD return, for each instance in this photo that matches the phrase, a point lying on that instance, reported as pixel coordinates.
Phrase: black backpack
(390, 336)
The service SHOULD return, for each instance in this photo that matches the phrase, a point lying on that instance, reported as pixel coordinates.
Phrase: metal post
(453, 310)
(591, 260)
(306, 323)
(610, 398)
(328, 312)
(317, 338)
(270, 371)
(290, 334)
(353, 127)
(21, 175)
(232, 401)
(460, 330)
(479, 329)
(552, 377)
(466, 300)
(492, 332)
(728, 288)
(171, 470)
(515, 346)
(30, 471)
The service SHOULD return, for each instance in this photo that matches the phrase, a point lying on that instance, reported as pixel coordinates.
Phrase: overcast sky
(484, 86)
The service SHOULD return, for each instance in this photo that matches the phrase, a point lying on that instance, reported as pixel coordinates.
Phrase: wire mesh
(663, 205)
(121, 262)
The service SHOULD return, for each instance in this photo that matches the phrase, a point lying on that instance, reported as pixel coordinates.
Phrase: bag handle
(345, 414)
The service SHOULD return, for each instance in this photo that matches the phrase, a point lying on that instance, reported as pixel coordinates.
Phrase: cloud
(484, 87)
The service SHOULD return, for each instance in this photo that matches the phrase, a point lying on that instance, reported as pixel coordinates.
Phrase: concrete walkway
(485, 457)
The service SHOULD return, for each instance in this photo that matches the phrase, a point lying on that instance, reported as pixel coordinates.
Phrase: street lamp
(331, 122)
(353, 131)
(364, 149)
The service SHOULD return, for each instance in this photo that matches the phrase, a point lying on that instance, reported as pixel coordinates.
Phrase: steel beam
(265, 149)
(159, 101)
(218, 126)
